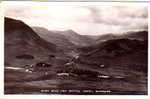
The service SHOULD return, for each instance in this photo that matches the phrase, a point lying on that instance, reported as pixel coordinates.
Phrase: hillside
(65, 39)
(58, 39)
(139, 35)
(21, 40)
(76, 39)
(125, 53)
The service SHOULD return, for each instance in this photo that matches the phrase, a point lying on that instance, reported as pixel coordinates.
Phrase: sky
(83, 19)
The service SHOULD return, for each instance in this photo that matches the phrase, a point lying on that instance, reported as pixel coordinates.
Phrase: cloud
(118, 15)
(91, 20)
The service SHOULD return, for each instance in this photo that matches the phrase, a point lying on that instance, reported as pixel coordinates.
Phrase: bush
(25, 56)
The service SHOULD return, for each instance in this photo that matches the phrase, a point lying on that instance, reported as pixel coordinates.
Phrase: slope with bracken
(21, 40)
(124, 53)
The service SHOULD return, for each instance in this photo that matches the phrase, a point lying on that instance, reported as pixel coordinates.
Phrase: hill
(58, 39)
(75, 38)
(22, 41)
(124, 53)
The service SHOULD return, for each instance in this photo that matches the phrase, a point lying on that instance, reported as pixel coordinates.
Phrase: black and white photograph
(76, 49)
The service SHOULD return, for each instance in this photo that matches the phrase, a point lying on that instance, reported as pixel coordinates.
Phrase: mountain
(65, 39)
(22, 41)
(76, 39)
(140, 35)
(58, 39)
(124, 53)
(68, 41)
(106, 37)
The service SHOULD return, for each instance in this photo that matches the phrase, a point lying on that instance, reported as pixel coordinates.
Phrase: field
(110, 81)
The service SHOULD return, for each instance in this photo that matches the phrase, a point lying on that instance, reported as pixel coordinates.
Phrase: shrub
(25, 56)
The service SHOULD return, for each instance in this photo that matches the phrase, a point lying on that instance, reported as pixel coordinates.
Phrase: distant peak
(70, 30)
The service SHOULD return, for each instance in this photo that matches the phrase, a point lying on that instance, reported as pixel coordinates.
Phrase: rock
(102, 65)
(103, 76)
(63, 74)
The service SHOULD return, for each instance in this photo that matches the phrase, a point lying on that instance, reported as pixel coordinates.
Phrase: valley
(40, 61)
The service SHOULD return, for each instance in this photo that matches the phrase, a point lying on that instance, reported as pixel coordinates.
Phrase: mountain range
(66, 38)
(21, 39)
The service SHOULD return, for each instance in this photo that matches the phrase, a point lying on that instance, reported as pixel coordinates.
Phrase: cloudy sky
(90, 19)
